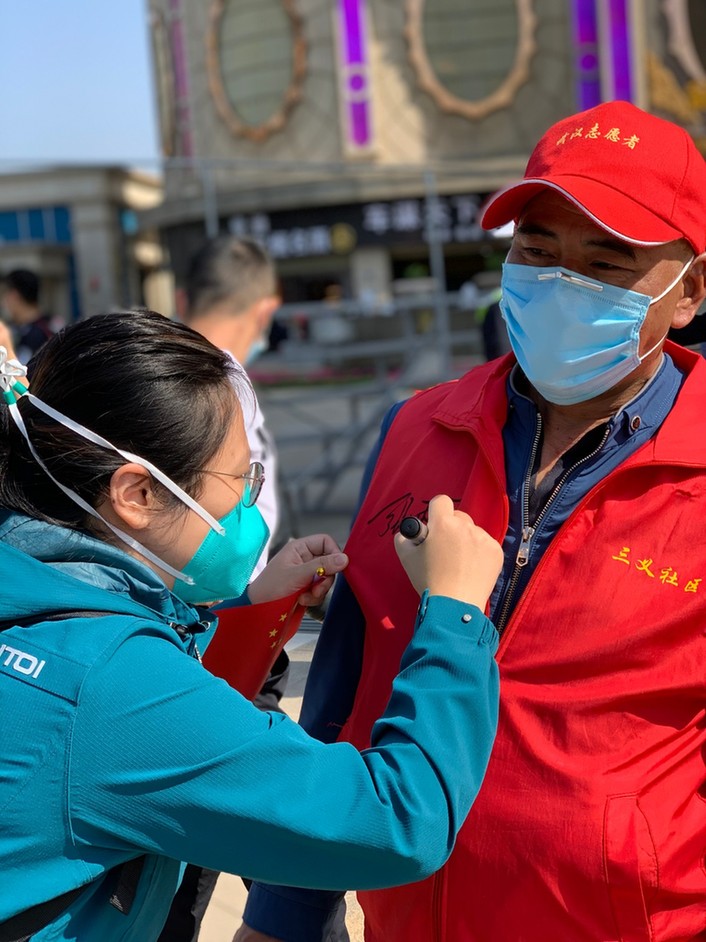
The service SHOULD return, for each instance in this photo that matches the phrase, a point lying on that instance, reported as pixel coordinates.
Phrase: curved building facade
(347, 134)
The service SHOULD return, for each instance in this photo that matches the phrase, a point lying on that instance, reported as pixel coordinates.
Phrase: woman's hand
(6, 342)
(295, 567)
(457, 559)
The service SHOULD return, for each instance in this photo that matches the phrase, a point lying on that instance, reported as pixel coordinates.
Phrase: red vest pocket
(630, 862)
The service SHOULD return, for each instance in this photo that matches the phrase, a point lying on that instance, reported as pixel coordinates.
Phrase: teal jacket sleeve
(166, 758)
(302, 915)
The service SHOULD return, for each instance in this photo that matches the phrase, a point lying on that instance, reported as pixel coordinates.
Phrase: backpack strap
(22, 927)
(50, 616)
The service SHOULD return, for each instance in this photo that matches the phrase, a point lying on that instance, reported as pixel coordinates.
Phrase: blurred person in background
(230, 296)
(488, 317)
(496, 342)
(31, 326)
(7, 340)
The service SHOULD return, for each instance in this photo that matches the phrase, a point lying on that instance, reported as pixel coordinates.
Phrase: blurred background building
(349, 136)
(76, 227)
(356, 139)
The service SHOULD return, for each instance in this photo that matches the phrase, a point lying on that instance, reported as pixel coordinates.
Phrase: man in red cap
(583, 452)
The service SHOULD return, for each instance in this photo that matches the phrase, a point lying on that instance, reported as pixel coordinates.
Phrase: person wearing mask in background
(493, 328)
(230, 295)
(583, 454)
(31, 326)
(122, 755)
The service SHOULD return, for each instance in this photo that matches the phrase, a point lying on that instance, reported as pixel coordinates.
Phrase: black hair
(148, 385)
(229, 269)
(25, 283)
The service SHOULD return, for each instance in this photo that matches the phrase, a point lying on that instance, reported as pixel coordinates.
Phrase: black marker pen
(414, 530)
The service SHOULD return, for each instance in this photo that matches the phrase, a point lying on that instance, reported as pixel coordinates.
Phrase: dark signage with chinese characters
(338, 230)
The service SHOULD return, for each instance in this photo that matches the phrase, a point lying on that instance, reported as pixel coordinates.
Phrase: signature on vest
(389, 518)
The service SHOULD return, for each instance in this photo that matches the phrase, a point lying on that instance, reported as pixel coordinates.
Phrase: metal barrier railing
(325, 430)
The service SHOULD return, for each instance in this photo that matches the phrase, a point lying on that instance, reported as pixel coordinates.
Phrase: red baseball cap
(637, 176)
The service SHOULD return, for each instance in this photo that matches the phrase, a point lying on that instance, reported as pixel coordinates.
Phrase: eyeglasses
(254, 478)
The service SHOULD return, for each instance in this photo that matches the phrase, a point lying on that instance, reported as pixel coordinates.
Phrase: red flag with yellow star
(249, 639)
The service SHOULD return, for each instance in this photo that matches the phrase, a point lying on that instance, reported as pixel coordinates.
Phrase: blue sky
(76, 82)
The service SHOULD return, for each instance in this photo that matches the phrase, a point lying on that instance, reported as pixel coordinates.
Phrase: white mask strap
(675, 282)
(652, 349)
(10, 385)
(128, 456)
(77, 499)
(659, 298)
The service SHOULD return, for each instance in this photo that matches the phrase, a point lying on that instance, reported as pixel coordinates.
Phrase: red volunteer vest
(591, 822)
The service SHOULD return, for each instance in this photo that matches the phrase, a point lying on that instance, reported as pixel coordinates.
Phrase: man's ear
(132, 496)
(694, 292)
(266, 308)
(181, 304)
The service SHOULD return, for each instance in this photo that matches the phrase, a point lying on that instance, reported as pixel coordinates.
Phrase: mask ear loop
(9, 371)
(676, 281)
(77, 499)
(659, 297)
(129, 456)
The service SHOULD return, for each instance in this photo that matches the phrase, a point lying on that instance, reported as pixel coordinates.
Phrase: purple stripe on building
(588, 84)
(354, 74)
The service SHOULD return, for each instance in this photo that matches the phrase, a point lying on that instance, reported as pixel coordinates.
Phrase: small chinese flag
(249, 639)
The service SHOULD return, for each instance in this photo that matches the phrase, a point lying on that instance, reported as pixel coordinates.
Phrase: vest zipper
(528, 532)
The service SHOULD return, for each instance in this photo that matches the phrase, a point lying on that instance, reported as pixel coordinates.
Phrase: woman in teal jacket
(127, 502)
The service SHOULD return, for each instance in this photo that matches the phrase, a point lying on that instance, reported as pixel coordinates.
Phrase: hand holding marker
(413, 529)
(450, 555)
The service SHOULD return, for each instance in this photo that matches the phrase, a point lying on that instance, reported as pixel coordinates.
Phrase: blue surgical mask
(574, 337)
(223, 564)
(257, 348)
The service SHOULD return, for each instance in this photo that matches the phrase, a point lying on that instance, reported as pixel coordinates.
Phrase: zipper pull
(523, 552)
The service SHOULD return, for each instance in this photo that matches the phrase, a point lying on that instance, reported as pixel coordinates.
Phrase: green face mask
(223, 564)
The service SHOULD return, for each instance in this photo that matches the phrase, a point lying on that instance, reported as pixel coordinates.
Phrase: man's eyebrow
(533, 228)
(613, 245)
(610, 245)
